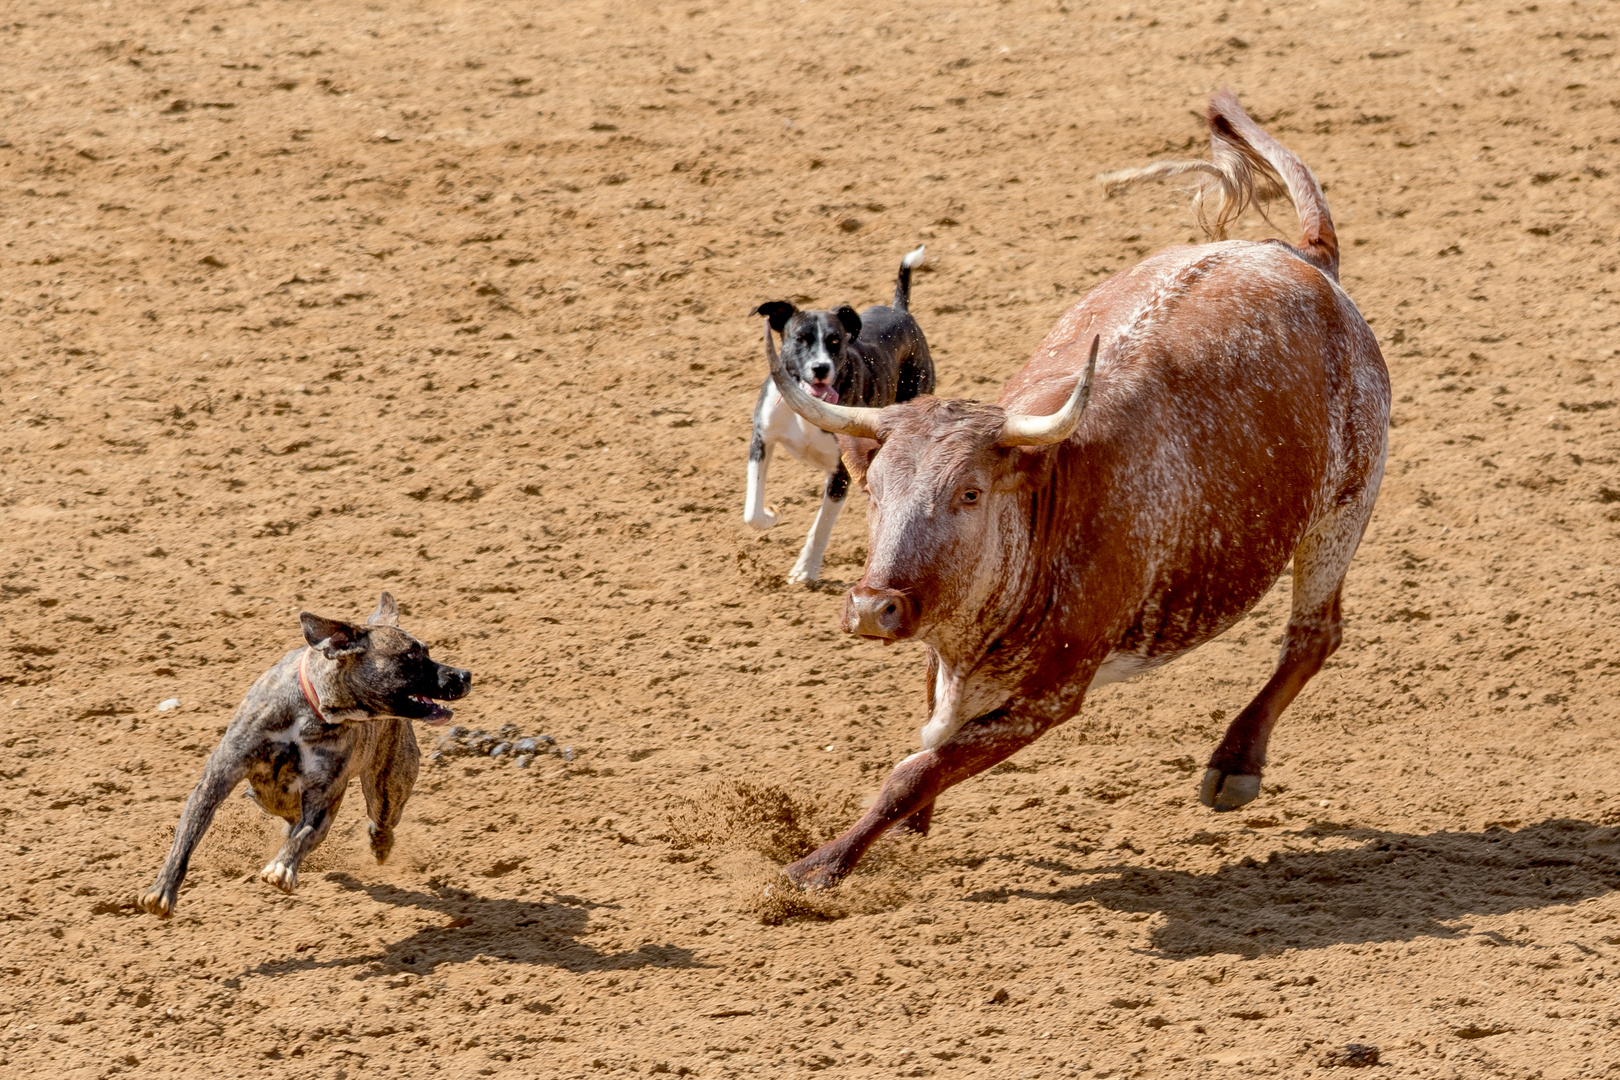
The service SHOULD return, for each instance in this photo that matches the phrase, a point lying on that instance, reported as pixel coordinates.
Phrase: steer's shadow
(1390, 887)
(520, 931)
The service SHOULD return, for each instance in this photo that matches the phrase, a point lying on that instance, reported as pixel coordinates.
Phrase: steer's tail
(902, 282)
(1249, 166)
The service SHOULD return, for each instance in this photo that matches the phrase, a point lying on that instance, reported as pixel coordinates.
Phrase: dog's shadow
(519, 931)
(1390, 887)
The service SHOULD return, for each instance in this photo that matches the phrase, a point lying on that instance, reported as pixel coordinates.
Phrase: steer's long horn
(859, 423)
(1021, 430)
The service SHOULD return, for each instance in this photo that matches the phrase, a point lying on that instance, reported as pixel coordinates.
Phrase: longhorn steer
(1237, 419)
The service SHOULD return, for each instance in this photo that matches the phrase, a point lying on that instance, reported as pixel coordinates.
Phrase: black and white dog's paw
(804, 572)
(762, 518)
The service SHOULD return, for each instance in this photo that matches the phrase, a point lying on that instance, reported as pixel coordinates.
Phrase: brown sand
(301, 301)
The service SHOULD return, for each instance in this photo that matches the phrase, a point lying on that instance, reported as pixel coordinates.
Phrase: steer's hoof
(804, 574)
(1222, 791)
(813, 876)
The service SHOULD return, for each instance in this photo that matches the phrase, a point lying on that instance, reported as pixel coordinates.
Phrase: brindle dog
(341, 705)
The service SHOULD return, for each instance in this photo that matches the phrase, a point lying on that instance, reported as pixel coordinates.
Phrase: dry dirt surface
(303, 301)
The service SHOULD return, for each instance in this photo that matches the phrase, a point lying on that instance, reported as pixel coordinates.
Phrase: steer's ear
(778, 311)
(851, 321)
(857, 454)
(1026, 467)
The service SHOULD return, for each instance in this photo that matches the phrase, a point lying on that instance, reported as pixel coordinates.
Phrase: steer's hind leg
(808, 568)
(909, 792)
(1233, 777)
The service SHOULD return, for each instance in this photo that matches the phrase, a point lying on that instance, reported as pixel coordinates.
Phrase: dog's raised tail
(902, 283)
(1248, 166)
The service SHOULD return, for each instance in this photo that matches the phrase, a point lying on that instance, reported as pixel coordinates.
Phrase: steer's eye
(970, 496)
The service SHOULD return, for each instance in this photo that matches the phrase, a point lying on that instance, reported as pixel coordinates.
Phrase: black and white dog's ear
(387, 613)
(851, 321)
(778, 311)
(331, 638)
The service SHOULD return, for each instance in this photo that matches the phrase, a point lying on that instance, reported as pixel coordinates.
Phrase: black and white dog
(872, 359)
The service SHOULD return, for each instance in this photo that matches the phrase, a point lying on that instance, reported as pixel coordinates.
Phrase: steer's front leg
(910, 790)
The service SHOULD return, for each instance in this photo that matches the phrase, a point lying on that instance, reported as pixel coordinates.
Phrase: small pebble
(523, 761)
(168, 703)
(568, 753)
(456, 732)
(525, 746)
(499, 749)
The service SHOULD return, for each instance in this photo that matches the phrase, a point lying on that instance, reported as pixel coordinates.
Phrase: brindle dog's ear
(331, 638)
(387, 613)
(851, 321)
(778, 311)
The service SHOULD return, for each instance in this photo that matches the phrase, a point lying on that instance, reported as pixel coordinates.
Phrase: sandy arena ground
(302, 301)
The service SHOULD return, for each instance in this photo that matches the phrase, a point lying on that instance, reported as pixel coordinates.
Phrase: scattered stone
(508, 744)
(168, 703)
(1354, 1056)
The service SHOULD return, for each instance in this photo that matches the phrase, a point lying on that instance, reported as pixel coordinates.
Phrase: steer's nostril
(891, 608)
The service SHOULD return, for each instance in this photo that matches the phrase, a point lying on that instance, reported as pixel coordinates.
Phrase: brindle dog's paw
(382, 841)
(157, 902)
(1223, 791)
(280, 875)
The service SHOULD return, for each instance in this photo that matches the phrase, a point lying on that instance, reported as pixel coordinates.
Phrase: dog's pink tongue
(825, 393)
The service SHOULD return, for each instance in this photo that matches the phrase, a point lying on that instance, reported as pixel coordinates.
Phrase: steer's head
(950, 484)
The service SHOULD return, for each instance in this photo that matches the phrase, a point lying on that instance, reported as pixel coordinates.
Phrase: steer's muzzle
(878, 613)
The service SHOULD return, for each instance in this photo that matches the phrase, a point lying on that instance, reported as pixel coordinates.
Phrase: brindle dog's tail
(902, 283)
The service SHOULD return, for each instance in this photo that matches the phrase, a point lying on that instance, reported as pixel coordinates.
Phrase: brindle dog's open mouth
(423, 708)
(436, 713)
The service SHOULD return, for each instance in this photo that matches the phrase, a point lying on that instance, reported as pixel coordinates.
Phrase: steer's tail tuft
(1248, 166)
(902, 282)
